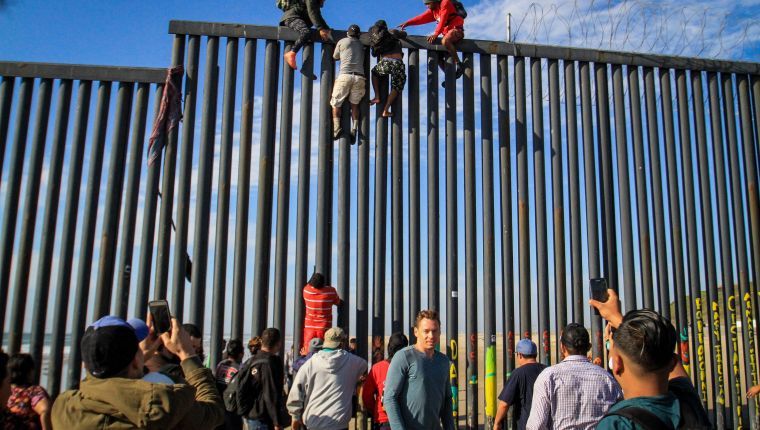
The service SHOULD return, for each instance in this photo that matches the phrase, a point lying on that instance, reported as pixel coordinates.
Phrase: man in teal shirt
(417, 391)
(657, 390)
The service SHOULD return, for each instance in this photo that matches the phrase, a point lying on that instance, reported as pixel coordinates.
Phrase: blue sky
(135, 34)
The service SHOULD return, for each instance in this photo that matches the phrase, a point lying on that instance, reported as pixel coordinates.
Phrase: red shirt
(372, 391)
(319, 303)
(446, 15)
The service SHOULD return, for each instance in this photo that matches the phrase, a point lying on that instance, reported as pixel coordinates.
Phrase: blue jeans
(257, 425)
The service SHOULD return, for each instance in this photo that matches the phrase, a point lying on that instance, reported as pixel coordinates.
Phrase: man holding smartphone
(113, 396)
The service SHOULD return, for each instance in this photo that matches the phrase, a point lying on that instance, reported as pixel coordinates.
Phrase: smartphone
(162, 318)
(599, 291)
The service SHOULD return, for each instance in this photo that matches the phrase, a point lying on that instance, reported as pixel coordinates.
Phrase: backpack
(381, 40)
(648, 421)
(241, 393)
(285, 5)
(461, 11)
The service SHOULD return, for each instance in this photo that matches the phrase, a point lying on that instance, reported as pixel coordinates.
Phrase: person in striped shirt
(319, 299)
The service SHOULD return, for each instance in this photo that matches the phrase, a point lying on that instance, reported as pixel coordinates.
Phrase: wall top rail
(485, 47)
(82, 72)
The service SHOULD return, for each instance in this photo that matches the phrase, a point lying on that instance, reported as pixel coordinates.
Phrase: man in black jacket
(268, 410)
(300, 16)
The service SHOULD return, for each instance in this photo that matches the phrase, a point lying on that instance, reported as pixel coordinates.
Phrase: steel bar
(521, 133)
(539, 187)
(23, 257)
(112, 208)
(576, 261)
(362, 222)
(558, 218)
(71, 210)
(433, 191)
(303, 215)
(149, 223)
(132, 193)
(687, 192)
(470, 242)
(266, 179)
(223, 202)
(642, 203)
(624, 188)
(486, 47)
(89, 219)
(452, 258)
(23, 69)
(710, 384)
(203, 193)
(184, 179)
(413, 102)
(755, 79)
(748, 369)
(243, 189)
(675, 216)
(6, 99)
(343, 254)
(655, 170)
(167, 187)
(505, 194)
(50, 218)
(283, 198)
(381, 212)
(397, 216)
(733, 418)
(589, 164)
(489, 247)
(325, 166)
(10, 206)
(753, 209)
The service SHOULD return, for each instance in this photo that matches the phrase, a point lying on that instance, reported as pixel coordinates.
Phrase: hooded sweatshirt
(321, 393)
(121, 403)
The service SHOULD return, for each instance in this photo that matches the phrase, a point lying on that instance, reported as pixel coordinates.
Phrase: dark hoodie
(270, 405)
(308, 10)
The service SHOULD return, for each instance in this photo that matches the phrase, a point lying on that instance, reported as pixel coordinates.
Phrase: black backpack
(242, 391)
(648, 421)
(461, 11)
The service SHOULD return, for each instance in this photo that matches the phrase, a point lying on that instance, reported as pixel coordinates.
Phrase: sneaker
(337, 130)
(460, 70)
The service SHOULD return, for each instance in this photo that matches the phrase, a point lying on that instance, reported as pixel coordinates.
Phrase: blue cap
(526, 347)
(135, 324)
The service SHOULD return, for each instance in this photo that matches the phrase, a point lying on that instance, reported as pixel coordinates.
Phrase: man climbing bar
(450, 15)
(300, 16)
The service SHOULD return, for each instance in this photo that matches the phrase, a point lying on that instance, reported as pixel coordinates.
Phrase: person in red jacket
(319, 300)
(450, 26)
(372, 389)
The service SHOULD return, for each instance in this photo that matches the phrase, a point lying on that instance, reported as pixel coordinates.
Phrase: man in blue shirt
(417, 392)
(657, 391)
(518, 391)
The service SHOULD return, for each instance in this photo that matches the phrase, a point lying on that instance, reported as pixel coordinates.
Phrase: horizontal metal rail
(82, 72)
(485, 47)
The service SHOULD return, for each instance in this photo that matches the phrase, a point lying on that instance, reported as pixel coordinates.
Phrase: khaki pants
(348, 86)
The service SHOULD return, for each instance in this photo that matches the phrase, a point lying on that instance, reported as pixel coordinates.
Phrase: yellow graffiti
(751, 340)
(731, 304)
(454, 349)
(718, 354)
(701, 351)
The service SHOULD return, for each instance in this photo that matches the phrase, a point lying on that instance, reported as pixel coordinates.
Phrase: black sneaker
(460, 70)
(337, 132)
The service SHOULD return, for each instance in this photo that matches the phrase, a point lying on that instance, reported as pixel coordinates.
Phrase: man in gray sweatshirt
(320, 397)
(417, 389)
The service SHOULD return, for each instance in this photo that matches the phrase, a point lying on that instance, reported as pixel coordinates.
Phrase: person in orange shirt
(450, 26)
(319, 299)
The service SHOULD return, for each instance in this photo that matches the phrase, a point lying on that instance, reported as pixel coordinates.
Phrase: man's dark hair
(396, 343)
(192, 330)
(270, 337)
(529, 357)
(575, 338)
(317, 280)
(647, 338)
(21, 368)
(234, 347)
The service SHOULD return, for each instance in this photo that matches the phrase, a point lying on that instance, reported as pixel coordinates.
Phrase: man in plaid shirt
(573, 394)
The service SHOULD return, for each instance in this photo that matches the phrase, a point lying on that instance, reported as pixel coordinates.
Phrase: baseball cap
(315, 344)
(334, 338)
(353, 30)
(575, 336)
(526, 347)
(110, 343)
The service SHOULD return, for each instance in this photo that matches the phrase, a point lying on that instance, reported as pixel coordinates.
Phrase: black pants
(299, 25)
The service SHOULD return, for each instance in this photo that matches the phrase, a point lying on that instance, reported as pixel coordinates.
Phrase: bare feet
(374, 101)
(290, 59)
